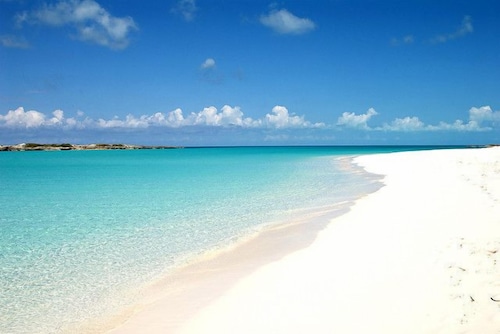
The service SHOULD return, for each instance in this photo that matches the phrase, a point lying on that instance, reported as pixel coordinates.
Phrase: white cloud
(129, 122)
(23, 119)
(484, 114)
(405, 124)
(464, 29)
(414, 124)
(185, 8)
(280, 118)
(92, 22)
(58, 117)
(480, 119)
(351, 120)
(458, 125)
(234, 116)
(208, 116)
(228, 116)
(208, 63)
(284, 22)
(20, 118)
(174, 118)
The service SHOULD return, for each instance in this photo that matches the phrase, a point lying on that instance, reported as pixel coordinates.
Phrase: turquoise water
(81, 230)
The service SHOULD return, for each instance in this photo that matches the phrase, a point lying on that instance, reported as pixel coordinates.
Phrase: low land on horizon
(69, 147)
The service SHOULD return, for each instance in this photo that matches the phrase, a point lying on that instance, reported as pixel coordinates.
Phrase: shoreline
(191, 287)
(229, 263)
(365, 271)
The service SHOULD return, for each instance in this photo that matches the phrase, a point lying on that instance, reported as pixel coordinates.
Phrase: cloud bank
(480, 119)
(227, 116)
(284, 22)
(91, 22)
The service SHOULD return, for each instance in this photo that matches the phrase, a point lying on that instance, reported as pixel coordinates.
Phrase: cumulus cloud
(351, 120)
(284, 22)
(405, 124)
(20, 118)
(58, 117)
(484, 114)
(31, 119)
(281, 118)
(91, 21)
(464, 29)
(186, 8)
(233, 116)
(208, 63)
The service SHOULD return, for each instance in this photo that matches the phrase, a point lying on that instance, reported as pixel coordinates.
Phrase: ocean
(83, 231)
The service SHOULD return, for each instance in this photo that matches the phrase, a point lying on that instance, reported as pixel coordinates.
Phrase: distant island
(77, 147)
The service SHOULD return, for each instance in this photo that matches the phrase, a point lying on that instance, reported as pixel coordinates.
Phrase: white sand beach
(420, 255)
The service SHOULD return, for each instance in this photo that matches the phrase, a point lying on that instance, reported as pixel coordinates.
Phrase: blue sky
(250, 72)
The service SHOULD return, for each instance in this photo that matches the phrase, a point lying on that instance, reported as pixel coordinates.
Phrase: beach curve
(418, 256)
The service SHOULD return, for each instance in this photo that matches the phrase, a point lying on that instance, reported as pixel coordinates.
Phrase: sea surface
(82, 231)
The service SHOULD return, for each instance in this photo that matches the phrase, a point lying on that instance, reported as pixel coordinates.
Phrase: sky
(250, 72)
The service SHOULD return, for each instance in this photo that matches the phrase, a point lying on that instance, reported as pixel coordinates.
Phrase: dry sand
(421, 255)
